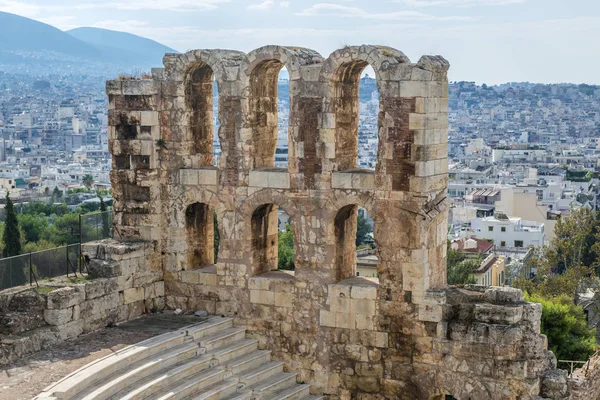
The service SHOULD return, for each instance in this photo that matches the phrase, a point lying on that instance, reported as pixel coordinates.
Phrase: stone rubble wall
(406, 336)
(125, 283)
(585, 382)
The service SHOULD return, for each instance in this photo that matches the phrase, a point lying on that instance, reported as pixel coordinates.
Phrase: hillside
(23, 35)
(32, 47)
(134, 48)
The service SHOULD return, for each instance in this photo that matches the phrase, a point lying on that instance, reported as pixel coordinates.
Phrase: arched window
(356, 104)
(265, 121)
(368, 119)
(199, 95)
(355, 247)
(216, 124)
(283, 119)
(202, 236)
(272, 240)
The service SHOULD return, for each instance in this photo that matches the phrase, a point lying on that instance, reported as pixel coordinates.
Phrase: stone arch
(200, 233)
(193, 73)
(199, 93)
(342, 70)
(262, 71)
(344, 230)
(262, 228)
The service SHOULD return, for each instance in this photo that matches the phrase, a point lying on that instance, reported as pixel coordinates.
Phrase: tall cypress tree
(13, 274)
(105, 223)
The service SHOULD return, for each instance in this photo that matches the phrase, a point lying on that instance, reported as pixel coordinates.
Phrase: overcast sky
(490, 41)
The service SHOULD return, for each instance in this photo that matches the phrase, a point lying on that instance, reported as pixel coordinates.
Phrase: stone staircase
(207, 361)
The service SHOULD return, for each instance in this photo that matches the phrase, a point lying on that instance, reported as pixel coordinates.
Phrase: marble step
(225, 337)
(276, 383)
(200, 383)
(239, 349)
(222, 390)
(296, 392)
(137, 371)
(247, 362)
(164, 379)
(261, 373)
(216, 325)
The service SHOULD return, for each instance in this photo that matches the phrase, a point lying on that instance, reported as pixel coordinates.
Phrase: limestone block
(64, 298)
(258, 178)
(279, 180)
(207, 176)
(159, 288)
(554, 385)
(284, 299)
(103, 269)
(341, 180)
(498, 314)
(503, 295)
(532, 313)
(100, 287)
(132, 295)
(419, 74)
(262, 297)
(70, 330)
(207, 279)
(58, 317)
(144, 87)
(364, 322)
(188, 177)
(363, 181)
(375, 339)
(437, 64)
(341, 305)
(431, 313)
(363, 306)
(414, 89)
(345, 320)
(149, 118)
(363, 292)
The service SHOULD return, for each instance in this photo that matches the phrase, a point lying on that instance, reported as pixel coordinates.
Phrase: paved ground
(30, 376)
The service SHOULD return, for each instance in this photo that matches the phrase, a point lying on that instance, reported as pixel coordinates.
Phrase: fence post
(30, 271)
(80, 258)
(67, 264)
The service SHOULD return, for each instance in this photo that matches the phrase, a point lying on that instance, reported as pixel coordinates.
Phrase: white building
(508, 231)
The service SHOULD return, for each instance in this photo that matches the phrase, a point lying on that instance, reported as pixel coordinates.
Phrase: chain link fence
(60, 261)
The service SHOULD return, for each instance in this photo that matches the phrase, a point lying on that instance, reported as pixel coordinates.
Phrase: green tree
(286, 249)
(33, 226)
(88, 180)
(106, 225)
(565, 325)
(11, 237)
(461, 273)
(64, 230)
(216, 237)
(56, 195)
(362, 229)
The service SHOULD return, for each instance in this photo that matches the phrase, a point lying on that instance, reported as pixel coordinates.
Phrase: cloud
(284, 4)
(458, 3)
(165, 5)
(265, 5)
(338, 10)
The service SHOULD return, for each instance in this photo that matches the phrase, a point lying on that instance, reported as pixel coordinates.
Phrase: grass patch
(44, 289)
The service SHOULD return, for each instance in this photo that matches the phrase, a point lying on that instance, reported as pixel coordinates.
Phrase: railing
(66, 260)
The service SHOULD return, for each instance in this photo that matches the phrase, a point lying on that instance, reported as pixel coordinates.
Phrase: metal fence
(60, 261)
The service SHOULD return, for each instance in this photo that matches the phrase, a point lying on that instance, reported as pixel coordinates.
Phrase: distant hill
(24, 35)
(132, 47)
(29, 46)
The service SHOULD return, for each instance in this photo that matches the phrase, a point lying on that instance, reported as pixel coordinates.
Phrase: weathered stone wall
(403, 336)
(125, 282)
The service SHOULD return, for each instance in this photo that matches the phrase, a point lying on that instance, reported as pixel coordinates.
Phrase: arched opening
(199, 95)
(216, 124)
(272, 240)
(355, 245)
(265, 122)
(368, 119)
(348, 117)
(283, 118)
(202, 236)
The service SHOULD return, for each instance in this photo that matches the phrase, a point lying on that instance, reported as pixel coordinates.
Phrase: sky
(486, 41)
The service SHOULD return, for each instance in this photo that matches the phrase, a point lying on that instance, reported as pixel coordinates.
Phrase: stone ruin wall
(127, 284)
(407, 336)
